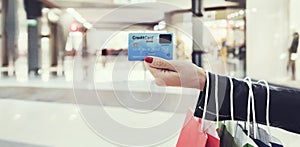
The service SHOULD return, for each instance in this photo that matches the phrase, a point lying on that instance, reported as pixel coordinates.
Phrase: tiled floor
(42, 113)
(53, 124)
(35, 124)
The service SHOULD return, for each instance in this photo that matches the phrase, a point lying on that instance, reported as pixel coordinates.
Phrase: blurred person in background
(293, 55)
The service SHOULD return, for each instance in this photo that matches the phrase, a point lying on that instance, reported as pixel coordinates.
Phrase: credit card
(141, 45)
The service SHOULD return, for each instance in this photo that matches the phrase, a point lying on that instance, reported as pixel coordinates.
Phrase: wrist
(201, 77)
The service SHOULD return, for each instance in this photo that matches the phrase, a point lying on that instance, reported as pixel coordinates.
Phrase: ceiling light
(87, 25)
(241, 12)
(162, 25)
(52, 16)
(76, 15)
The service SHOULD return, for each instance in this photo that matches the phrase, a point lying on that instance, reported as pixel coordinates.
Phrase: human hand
(176, 73)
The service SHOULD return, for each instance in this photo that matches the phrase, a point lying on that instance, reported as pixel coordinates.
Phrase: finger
(154, 71)
(159, 63)
(165, 78)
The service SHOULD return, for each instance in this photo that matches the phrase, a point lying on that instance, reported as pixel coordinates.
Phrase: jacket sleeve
(284, 103)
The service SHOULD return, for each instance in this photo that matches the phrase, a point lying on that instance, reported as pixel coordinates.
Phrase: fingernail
(149, 59)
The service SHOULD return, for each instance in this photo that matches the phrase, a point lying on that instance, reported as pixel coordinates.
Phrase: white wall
(267, 38)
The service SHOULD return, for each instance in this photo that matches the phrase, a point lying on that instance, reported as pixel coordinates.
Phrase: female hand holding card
(176, 73)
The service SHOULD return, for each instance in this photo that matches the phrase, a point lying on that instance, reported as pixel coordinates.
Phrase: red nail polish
(149, 59)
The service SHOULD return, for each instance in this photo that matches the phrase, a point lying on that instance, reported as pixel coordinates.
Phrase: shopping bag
(262, 137)
(273, 141)
(241, 139)
(190, 135)
(213, 139)
(236, 131)
(195, 132)
(227, 128)
(226, 139)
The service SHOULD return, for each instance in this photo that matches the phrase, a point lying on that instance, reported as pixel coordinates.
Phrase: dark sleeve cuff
(223, 98)
(284, 103)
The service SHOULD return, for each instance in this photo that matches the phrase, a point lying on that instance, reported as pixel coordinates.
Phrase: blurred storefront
(50, 34)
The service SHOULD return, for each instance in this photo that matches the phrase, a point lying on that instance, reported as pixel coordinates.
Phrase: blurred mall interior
(56, 53)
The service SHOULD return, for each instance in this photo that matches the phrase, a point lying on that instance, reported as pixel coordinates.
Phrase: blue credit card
(141, 45)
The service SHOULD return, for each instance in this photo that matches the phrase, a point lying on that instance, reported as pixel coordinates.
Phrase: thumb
(159, 63)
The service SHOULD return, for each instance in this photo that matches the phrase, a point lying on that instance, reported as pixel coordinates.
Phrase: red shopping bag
(213, 139)
(195, 132)
(210, 128)
(190, 135)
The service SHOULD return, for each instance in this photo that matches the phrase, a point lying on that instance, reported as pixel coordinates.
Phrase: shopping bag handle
(250, 100)
(268, 104)
(216, 96)
(231, 99)
(205, 101)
